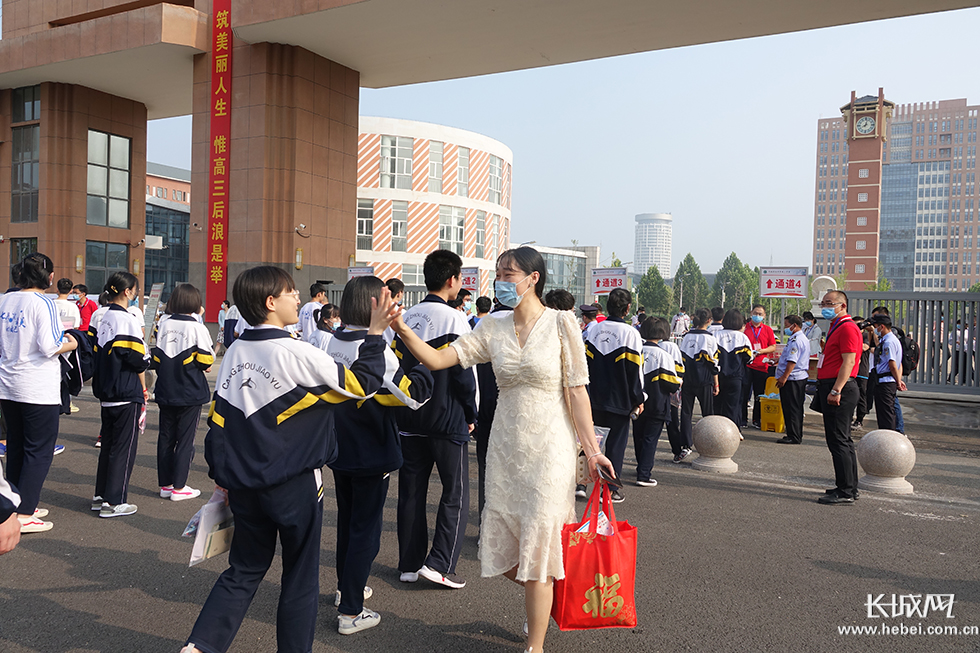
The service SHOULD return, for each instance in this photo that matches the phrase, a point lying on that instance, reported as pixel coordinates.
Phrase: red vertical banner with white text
(219, 158)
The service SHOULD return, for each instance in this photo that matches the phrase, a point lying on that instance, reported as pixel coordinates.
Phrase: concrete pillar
(293, 161)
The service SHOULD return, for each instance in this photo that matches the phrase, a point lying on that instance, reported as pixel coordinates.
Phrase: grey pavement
(747, 562)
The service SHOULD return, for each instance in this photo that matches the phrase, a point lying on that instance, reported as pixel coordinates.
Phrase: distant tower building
(653, 243)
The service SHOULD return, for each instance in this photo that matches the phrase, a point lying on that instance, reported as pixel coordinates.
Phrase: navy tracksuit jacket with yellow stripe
(120, 356)
(613, 351)
(182, 353)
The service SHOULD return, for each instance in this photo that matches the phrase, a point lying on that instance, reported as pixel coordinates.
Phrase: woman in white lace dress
(536, 353)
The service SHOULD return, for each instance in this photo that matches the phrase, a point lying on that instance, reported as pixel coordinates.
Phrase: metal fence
(945, 327)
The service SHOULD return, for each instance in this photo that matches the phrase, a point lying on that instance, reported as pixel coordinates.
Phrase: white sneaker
(650, 482)
(368, 593)
(409, 576)
(446, 580)
(350, 625)
(33, 525)
(166, 491)
(40, 513)
(184, 493)
(120, 510)
(97, 504)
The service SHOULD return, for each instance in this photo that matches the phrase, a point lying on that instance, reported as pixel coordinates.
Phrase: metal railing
(945, 327)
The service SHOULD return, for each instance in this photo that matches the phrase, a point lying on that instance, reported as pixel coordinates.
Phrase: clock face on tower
(865, 125)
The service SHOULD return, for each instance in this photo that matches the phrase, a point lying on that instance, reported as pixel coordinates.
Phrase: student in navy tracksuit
(734, 353)
(612, 349)
(674, 425)
(436, 434)
(368, 450)
(118, 382)
(181, 357)
(660, 380)
(270, 433)
(700, 351)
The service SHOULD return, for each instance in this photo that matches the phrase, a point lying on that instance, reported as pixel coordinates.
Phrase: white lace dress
(530, 479)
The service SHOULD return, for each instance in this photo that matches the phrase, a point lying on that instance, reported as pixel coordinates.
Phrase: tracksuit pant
(175, 445)
(451, 458)
(646, 433)
(886, 400)
(674, 431)
(32, 431)
(791, 398)
(293, 511)
(616, 441)
(360, 506)
(120, 433)
(705, 394)
(482, 436)
(837, 429)
(729, 402)
(753, 384)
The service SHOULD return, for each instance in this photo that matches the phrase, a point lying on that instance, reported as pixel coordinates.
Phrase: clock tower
(866, 124)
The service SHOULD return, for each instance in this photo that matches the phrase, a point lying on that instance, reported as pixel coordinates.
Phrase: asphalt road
(746, 562)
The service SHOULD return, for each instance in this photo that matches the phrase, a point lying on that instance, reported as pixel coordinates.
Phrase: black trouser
(360, 506)
(705, 395)
(175, 445)
(451, 459)
(32, 431)
(862, 407)
(791, 398)
(674, 431)
(870, 392)
(646, 433)
(619, 435)
(294, 512)
(837, 428)
(754, 383)
(481, 433)
(729, 397)
(120, 434)
(885, 398)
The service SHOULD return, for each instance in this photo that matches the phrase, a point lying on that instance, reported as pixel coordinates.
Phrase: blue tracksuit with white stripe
(270, 433)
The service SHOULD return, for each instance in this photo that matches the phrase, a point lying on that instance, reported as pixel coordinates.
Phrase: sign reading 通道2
(219, 157)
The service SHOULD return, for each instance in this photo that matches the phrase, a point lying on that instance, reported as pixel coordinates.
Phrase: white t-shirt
(30, 336)
(68, 312)
(96, 320)
(307, 320)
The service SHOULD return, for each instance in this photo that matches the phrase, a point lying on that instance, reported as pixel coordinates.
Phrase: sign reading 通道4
(783, 282)
(605, 280)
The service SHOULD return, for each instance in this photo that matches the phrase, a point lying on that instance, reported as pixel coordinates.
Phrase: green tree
(883, 284)
(653, 294)
(975, 287)
(736, 282)
(616, 263)
(690, 288)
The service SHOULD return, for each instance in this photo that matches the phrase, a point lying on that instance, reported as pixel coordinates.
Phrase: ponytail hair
(34, 271)
(119, 283)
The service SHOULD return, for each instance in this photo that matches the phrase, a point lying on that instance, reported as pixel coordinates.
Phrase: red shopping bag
(600, 571)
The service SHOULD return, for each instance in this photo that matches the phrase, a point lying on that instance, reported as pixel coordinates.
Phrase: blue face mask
(506, 292)
(788, 331)
(828, 313)
(807, 323)
(757, 319)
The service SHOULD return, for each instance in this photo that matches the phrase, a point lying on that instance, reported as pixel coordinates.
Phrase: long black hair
(527, 260)
(34, 271)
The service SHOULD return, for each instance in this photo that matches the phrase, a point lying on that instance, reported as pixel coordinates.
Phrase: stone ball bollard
(716, 439)
(886, 457)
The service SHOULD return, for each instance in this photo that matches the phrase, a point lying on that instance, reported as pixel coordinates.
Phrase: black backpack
(910, 352)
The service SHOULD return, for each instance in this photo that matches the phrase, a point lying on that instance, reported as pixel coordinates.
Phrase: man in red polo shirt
(838, 394)
(763, 342)
(85, 305)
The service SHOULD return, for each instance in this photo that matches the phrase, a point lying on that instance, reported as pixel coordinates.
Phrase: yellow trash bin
(772, 415)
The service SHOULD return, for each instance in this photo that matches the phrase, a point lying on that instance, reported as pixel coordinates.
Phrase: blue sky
(722, 136)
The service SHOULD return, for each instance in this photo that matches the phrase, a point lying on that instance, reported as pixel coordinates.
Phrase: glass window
(481, 220)
(396, 162)
(21, 247)
(399, 226)
(108, 180)
(24, 173)
(452, 221)
(101, 260)
(496, 180)
(168, 266)
(435, 167)
(27, 104)
(365, 224)
(463, 174)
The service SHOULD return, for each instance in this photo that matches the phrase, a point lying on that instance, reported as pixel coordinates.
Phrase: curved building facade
(422, 187)
(653, 243)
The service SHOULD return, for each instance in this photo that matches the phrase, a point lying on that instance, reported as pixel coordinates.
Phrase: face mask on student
(807, 323)
(828, 313)
(467, 305)
(757, 319)
(506, 292)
